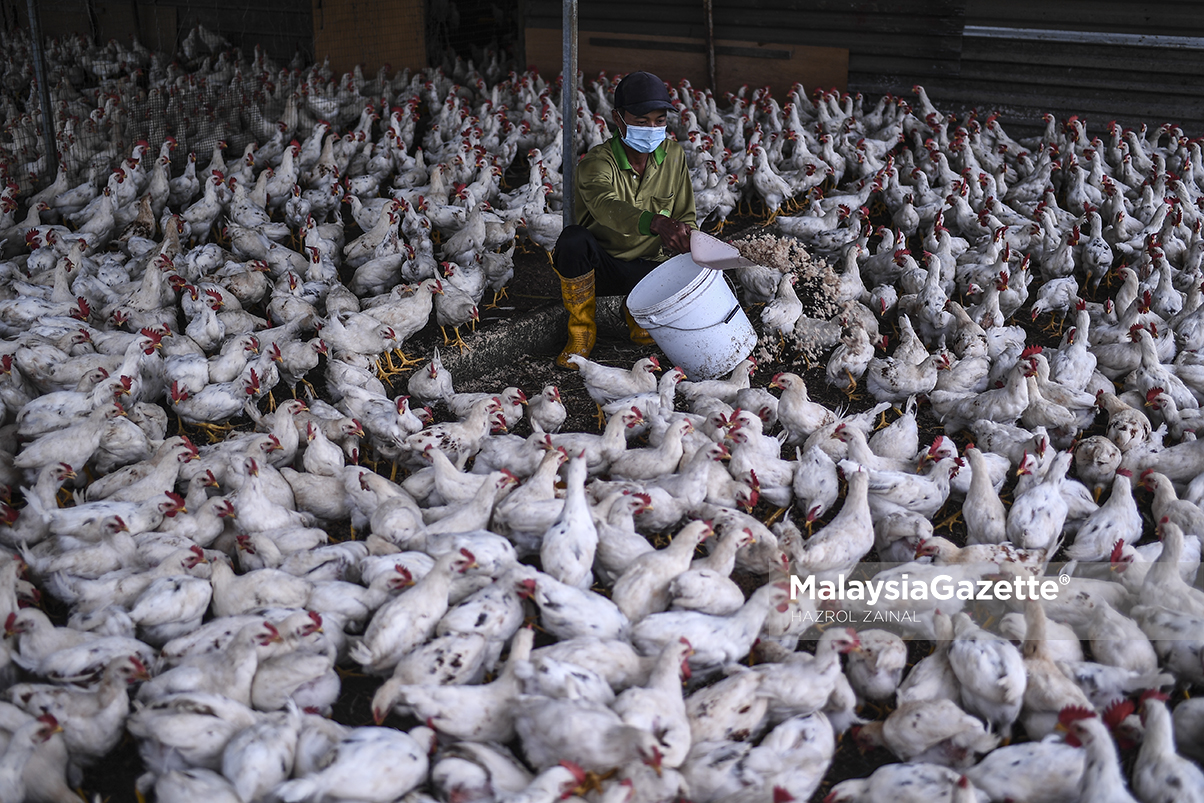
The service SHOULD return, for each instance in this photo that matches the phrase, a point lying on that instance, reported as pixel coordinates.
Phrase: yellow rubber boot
(578, 295)
(638, 334)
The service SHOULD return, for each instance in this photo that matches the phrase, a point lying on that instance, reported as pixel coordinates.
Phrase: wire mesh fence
(209, 77)
(473, 30)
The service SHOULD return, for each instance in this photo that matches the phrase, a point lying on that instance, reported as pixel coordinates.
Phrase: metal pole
(710, 28)
(568, 107)
(39, 71)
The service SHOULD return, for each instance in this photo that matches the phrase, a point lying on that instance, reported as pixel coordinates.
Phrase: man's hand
(674, 234)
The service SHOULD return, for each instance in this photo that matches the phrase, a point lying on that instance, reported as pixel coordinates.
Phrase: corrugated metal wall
(1165, 17)
(1101, 59)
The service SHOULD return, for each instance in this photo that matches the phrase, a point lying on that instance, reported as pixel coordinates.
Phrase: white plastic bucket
(694, 317)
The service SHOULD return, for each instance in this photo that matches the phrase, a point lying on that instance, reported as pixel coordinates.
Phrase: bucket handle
(726, 319)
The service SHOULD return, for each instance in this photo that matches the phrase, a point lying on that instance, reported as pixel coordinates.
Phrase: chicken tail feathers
(61, 586)
(296, 790)
(361, 654)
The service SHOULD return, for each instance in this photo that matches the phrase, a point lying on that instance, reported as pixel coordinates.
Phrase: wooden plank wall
(673, 58)
(370, 32)
(891, 45)
(900, 39)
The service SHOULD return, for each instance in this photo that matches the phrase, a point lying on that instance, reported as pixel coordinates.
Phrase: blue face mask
(644, 139)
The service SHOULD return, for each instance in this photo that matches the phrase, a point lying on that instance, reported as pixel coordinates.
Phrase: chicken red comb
(1117, 550)
(1117, 712)
(1031, 351)
(1154, 694)
(48, 719)
(1073, 713)
(782, 795)
(464, 551)
(1080, 304)
(1152, 393)
(175, 497)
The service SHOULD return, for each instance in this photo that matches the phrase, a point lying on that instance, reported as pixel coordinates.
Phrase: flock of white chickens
(207, 573)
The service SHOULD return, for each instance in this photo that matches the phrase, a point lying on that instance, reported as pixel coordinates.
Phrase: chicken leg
(215, 432)
(458, 341)
(497, 294)
(850, 390)
(773, 517)
(949, 522)
(312, 392)
(387, 371)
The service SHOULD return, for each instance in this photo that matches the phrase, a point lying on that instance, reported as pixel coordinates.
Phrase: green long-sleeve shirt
(617, 205)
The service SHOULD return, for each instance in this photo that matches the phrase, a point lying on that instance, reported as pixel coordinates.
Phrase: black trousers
(578, 252)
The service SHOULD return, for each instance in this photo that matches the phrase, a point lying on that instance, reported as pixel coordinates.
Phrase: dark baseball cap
(642, 92)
